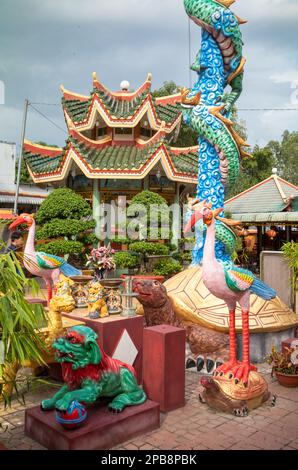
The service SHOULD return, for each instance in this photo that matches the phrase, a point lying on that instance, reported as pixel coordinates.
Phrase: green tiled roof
(168, 113)
(263, 198)
(76, 109)
(115, 157)
(186, 163)
(119, 108)
(42, 164)
(124, 157)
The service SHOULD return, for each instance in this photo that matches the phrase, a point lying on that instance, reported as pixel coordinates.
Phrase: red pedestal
(102, 429)
(110, 330)
(287, 344)
(164, 366)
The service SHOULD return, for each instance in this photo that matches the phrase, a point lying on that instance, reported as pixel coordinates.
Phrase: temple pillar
(96, 207)
(176, 226)
(146, 182)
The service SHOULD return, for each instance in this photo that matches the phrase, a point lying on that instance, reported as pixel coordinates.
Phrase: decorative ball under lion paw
(73, 417)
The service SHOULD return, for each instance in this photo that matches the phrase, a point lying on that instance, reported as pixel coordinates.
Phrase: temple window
(102, 131)
(123, 131)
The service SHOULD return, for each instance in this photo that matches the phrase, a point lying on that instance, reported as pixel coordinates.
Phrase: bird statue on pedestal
(232, 284)
(42, 264)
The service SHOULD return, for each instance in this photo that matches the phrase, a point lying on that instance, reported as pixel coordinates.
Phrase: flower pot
(287, 380)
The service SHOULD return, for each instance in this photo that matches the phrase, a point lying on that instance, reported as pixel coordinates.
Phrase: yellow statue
(97, 307)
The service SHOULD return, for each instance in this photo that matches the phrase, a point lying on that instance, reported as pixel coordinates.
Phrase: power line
(47, 104)
(48, 119)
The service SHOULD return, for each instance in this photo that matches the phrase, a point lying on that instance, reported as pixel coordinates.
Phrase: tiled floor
(193, 427)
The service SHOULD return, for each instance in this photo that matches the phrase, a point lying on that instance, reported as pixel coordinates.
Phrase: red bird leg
(228, 366)
(50, 293)
(244, 368)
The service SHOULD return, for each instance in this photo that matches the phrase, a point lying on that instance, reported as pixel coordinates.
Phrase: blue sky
(46, 43)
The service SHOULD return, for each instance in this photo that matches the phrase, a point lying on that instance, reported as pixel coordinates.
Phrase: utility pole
(26, 104)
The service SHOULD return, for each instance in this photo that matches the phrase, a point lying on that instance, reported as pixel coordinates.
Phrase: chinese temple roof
(120, 108)
(112, 156)
(111, 161)
(272, 200)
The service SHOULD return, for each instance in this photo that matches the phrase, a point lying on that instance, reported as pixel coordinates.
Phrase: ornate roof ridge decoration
(121, 108)
(46, 150)
(111, 161)
(124, 95)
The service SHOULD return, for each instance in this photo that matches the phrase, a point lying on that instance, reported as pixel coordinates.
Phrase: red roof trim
(39, 150)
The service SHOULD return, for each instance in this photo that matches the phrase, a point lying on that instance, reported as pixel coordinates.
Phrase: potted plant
(167, 268)
(20, 323)
(126, 262)
(101, 260)
(285, 366)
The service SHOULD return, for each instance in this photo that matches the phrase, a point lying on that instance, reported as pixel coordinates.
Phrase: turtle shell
(257, 386)
(192, 301)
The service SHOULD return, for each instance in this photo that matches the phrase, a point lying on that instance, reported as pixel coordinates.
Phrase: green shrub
(61, 247)
(290, 251)
(167, 267)
(63, 203)
(64, 227)
(126, 260)
(149, 248)
(65, 223)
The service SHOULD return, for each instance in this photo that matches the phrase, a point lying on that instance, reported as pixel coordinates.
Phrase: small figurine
(97, 307)
(89, 374)
(80, 295)
(64, 286)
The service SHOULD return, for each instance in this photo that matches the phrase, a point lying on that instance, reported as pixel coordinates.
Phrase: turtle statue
(185, 301)
(221, 394)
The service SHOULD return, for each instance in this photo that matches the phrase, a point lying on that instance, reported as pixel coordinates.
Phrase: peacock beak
(192, 221)
(18, 221)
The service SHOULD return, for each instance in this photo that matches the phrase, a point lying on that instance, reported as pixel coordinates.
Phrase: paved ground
(193, 427)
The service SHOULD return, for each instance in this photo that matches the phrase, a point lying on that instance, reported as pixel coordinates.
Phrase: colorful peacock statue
(42, 264)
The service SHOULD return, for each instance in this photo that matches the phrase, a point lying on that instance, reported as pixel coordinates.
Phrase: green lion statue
(89, 374)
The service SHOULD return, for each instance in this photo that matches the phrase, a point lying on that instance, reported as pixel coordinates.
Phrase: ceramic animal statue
(207, 108)
(219, 394)
(42, 264)
(97, 307)
(208, 348)
(233, 285)
(89, 374)
(64, 286)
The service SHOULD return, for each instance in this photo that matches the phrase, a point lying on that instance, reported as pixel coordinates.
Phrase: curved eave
(47, 151)
(160, 155)
(127, 96)
(112, 121)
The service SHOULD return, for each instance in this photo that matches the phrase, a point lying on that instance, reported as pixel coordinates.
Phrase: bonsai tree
(19, 324)
(148, 217)
(65, 224)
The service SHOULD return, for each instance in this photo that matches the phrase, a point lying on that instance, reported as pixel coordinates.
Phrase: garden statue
(89, 374)
(64, 286)
(97, 307)
(42, 264)
(233, 285)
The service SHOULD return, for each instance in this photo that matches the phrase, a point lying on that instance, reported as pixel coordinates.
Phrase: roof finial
(124, 85)
(274, 171)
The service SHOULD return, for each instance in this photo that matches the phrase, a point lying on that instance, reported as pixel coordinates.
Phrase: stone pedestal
(102, 429)
(2, 447)
(164, 366)
(120, 337)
